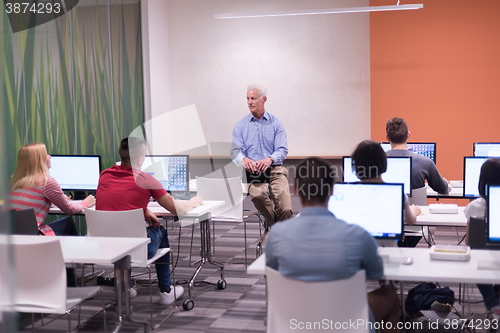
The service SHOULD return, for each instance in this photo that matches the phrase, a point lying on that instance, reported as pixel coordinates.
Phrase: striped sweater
(40, 198)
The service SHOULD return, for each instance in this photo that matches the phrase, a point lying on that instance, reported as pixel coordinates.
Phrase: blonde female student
(32, 187)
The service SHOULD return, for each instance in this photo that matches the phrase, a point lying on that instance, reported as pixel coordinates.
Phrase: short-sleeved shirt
(120, 189)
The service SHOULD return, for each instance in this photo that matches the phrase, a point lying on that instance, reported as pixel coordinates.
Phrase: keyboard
(489, 265)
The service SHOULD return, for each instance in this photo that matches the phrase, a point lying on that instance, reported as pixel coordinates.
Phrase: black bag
(257, 178)
(422, 296)
(433, 310)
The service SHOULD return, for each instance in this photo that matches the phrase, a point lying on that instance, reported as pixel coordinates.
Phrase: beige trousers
(384, 304)
(277, 191)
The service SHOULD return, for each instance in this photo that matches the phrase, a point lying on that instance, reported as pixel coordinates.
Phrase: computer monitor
(472, 169)
(427, 149)
(487, 149)
(398, 171)
(172, 171)
(378, 208)
(76, 172)
(493, 215)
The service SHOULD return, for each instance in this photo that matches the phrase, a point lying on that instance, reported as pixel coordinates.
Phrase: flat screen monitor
(487, 149)
(427, 149)
(493, 215)
(76, 172)
(355, 203)
(398, 171)
(172, 171)
(472, 169)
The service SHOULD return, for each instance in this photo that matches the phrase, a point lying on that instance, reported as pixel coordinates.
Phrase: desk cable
(430, 241)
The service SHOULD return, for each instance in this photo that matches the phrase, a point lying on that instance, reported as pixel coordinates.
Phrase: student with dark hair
(316, 246)
(126, 187)
(423, 168)
(490, 175)
(370, 162)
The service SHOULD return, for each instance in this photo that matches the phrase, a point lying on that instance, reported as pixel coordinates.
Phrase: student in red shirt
(126, 187)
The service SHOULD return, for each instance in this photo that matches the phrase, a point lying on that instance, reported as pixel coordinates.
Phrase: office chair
(24, 222)
(339, 301)
(41, 258)
(419, 198)
(128, 223)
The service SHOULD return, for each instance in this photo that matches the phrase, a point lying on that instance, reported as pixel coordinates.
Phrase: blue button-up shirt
(316, 246)
(258, 139)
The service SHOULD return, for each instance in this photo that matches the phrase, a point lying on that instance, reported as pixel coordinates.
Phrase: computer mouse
(407, 261)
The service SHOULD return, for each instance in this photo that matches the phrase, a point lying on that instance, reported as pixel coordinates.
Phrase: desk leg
(206, 256)
(402, 301)
(122, 283)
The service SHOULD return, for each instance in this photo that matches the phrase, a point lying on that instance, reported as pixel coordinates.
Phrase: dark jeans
(159, 239)
(64, 227)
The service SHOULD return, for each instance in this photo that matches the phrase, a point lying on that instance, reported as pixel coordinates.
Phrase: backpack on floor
(433, 309)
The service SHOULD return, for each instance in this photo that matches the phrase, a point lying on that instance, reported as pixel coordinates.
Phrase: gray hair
(261, 90)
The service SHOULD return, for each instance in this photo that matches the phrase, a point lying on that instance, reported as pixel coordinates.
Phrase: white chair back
(418, 196)
(292, 301)
(127, 223)
(228, 190)
(41, 276)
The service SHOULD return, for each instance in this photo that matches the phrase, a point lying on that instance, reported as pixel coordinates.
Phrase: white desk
(100, 250)
(258, 267)
(203, 216)
(155, 207)
(193, 187)
(446, 220)
(423, 268)
(456, 192)
(188, 218)
(84, 250)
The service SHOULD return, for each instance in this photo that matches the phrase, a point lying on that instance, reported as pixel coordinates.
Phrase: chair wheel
(188, 304)
(221, 284)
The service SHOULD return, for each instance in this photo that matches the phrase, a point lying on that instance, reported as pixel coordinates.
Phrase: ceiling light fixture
(324, 11)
